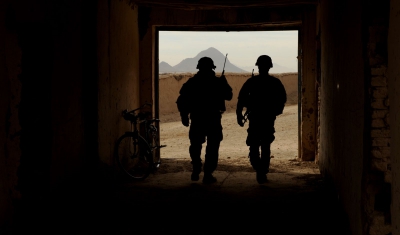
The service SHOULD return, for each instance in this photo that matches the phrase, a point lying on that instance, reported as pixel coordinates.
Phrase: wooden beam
(220, 4)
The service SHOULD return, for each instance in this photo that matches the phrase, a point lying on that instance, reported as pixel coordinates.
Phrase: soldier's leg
(214, 138)
(211, 156)
(253, 141)
(195, 153)
(197, 139)
(254, 155)
(257, 164)
(265, 157)
(211, 161)
(266, 141)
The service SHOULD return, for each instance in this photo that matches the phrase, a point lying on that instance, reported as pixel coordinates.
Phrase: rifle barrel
(223, 70)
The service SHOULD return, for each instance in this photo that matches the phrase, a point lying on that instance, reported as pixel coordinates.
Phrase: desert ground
(170, 84)
(233, 154)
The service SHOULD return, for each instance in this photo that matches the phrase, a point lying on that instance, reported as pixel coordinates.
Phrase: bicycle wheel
(133, 155)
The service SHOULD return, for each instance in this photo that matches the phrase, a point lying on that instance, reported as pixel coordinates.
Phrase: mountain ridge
(188, 65)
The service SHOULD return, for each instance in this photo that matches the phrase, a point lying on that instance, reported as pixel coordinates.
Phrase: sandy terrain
(170, 84)
(233, 150)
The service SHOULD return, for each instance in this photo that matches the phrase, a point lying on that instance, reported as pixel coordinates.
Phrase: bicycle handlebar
(141, 107)
(132, 116)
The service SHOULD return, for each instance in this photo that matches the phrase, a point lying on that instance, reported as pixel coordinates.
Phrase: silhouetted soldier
(203, 98)
(264, 97)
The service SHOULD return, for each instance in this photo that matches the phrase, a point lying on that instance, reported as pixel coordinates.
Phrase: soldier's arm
(242, 98)
(282, 98)
(243, 95)
(183, 100)
(241, 104)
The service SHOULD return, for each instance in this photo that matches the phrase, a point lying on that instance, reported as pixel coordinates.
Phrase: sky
(243, 48)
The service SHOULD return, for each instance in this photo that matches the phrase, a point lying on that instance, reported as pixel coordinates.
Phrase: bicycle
(136, 154)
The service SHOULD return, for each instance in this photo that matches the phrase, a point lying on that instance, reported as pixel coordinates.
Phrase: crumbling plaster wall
(118, 59)
(343, 103)
(394, 94)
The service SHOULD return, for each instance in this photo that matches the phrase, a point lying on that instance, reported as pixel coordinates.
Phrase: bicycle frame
(144, 142)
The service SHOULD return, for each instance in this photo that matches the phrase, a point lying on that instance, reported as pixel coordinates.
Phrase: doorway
(177, 56)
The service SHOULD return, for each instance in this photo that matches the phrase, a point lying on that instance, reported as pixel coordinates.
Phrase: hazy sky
(243, 48)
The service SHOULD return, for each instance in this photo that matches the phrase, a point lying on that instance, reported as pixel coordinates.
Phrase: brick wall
(378, 176)
(380, 129)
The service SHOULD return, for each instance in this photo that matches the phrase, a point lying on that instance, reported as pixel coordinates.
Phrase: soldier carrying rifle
(264, 98)
(202, 100)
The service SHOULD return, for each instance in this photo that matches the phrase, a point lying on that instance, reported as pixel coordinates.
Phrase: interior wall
(26, 105)
(47, 53)
(308, 84)
(10, 88)
(147, 52)
(394, 94)
(118, 59)
(342, 103)
(67, 68)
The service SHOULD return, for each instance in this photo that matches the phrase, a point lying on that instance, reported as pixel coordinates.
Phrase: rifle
(245, 116)
(223, 70)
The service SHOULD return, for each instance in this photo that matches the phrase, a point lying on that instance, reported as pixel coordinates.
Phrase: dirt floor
(233, 150)
(295, 200)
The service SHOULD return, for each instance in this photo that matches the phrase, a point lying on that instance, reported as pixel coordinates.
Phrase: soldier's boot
(264, 163)
(195, 152)
(208, 178)
(211, 161)
(261, 177)
(196, 171)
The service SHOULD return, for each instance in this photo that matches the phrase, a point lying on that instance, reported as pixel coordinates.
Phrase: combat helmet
(264, 60)
(206, 63)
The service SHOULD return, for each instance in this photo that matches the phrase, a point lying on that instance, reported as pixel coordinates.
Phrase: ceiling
(220, 4)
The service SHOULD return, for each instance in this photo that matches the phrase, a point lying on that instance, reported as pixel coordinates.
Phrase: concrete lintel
(222, 4)
(226, 17)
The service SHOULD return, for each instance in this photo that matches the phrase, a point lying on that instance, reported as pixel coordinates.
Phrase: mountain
(189, 64)
(165, 67)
